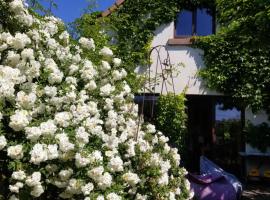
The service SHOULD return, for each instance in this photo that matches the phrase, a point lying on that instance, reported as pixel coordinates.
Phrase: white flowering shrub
(69, 129)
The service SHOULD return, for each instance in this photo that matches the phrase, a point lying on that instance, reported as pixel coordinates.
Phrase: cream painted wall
(187, 77)
(190, 58)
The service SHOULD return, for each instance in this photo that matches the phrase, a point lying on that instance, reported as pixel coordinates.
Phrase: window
(184, 23)
(228, 137)
(199, 22)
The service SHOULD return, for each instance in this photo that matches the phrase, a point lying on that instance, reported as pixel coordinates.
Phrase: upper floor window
(198, 22)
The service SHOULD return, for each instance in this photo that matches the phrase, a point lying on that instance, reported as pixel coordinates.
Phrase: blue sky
(226, 114)
(69, 10)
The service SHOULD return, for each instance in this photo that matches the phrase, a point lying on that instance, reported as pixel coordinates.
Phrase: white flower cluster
(87, 43)
(21, 14)
(131, 178)
(70, 123)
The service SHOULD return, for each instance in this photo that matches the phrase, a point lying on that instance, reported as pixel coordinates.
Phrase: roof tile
(112, 8)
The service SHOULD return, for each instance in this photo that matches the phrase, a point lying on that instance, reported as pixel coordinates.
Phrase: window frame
(194, 22)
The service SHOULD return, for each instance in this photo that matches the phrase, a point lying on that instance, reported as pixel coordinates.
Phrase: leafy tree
(237, 57)
(37, 5)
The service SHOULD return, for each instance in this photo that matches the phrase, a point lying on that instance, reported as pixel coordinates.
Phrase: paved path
(257, 192)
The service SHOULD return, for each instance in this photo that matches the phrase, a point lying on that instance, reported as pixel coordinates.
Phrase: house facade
(206, 117)
(214, 131)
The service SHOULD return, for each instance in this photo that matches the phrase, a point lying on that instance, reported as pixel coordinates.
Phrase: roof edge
(113, 8)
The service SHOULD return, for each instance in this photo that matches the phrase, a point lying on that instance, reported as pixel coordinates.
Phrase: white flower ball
(106, 90)
(26, 101)
(100, 197)
(117, 62)
(38, 154)
(34, 179)
(131, 178)
(15, 188)
(13, 197)
(15, 152)
(18, 175)
(113, 196)
(13, 58)
(3, 142)
(105, 66)
(87, 43)
(104, 181)
(63, 119)
(16, 6)
(19, 120)
(86, 189)
(37, 190)
(116, 164)
(50, 91)
(106, 52)
(28, 54)
(151, 128)
(65, 174)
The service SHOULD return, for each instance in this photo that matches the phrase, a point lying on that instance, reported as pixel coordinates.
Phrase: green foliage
(237, 57)
(91, 26)
(37, 6)
(157, 179)
(7, 19)
(228, 129)
(258, 136)
(131, 29)
(92, 4)
(171, 119)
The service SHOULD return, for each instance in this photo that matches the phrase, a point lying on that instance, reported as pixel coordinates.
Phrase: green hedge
(171, 119)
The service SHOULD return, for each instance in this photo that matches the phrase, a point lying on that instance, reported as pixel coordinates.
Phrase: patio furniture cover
(214, 183)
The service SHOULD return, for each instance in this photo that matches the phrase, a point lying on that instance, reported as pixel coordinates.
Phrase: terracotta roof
(114, 7)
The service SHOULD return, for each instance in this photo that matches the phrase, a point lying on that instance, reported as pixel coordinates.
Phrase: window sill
(181, 41)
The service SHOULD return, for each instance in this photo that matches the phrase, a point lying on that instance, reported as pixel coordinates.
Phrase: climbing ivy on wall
(236, 57)
(132, 28)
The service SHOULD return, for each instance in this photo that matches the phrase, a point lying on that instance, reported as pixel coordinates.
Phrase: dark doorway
(214, 131)
(200, 123)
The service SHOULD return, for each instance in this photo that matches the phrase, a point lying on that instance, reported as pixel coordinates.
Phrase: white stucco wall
(186, 75)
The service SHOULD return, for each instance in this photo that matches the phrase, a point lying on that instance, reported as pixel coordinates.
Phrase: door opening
(214, 131)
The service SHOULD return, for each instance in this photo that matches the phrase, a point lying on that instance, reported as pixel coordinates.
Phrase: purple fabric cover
(211, 187)
(208, 167)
